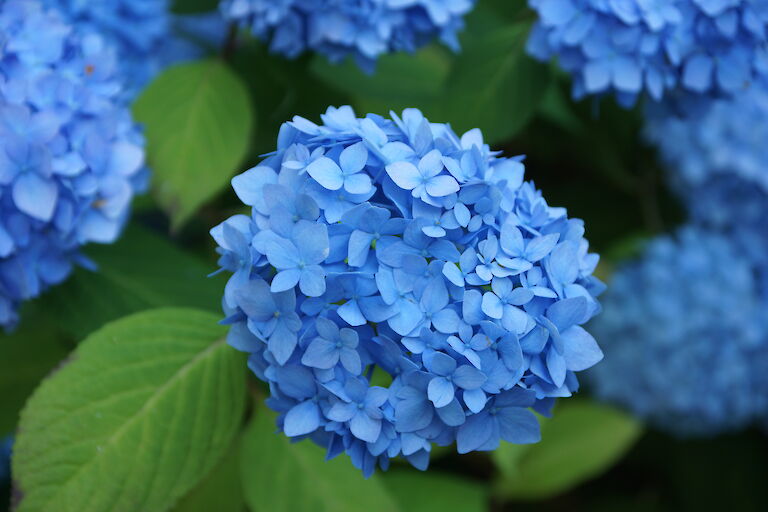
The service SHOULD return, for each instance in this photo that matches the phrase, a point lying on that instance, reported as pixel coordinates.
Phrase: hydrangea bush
(400, 286)
(71, 157)
(630, 47)
(686, 336)
(363, 29)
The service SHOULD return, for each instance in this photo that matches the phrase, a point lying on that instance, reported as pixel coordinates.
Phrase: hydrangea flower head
(685, 336)
(141, 31)
(363, 29)
(394, 252)
(70, 155)
(629, 47)
(717, 161)
(701, 140)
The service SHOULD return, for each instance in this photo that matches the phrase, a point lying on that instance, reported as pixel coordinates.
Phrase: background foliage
(152, 411)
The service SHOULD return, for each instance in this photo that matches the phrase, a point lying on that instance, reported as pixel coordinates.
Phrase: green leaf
(198, 120)
(494, 85)
(432, 491)
(556, 108)
(193, 6)
(280, 89)
(26, 356)
(221, 490)
(580, 441)
(141, 271)
(145, 408)
(279, 476)
(400, 80)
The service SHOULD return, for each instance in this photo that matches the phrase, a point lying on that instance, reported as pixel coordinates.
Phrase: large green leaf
(490, 84)
(282, 477)
(580, 441)
(400, 81)
(141, 271)
(432, 491)
(493, 84)
(220, 490)
(26, 356)
(198, 120)
(281, 88)
(146, 407)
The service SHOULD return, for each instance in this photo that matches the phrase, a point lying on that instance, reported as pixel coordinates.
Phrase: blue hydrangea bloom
(399, 286)
(143, 32)
(5, 458)
(717, 161)
(629, 47)
(71, 157)
(701, 140)
(685, 336)
(363, 29)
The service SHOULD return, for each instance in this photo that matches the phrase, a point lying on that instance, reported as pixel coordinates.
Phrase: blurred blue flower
(738, 209)
(403, 281)
(629, 47)
(701, 140)
(685, 336)
(717, 161)
(145, 34)
(71, 157)
(363, 29)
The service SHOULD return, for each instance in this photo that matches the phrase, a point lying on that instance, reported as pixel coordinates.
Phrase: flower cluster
(398, 286)
(141, 31)
(70, 156)
(686, 336)
(717, 158)
(364, 29)
(633, 46)
(700, 140)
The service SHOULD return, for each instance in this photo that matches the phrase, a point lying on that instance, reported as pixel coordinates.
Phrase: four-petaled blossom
(331, 346)
(361, 408)
(297, 260)
(346, 173)
(448, 377)
(506, 417)
(424, 180)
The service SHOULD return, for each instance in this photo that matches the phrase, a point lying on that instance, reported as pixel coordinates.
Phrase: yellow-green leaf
(579, 442)
(198, 120)
(279, 476)
(143, 410)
